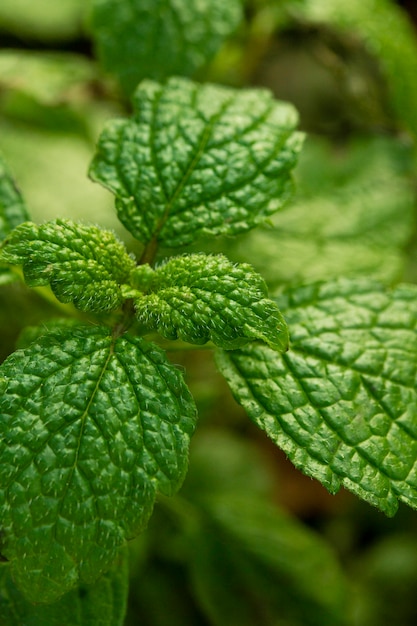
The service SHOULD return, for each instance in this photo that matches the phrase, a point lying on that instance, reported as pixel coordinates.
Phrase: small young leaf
(82, 264)
(100, 604)
(198, 297)
(198, 160)
(138, 39)
(92, 428)
(342, 403)
(12, 206)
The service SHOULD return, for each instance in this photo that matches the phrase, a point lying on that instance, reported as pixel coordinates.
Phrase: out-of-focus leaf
(43, 19)
(139, 39)
(387, 33)
(251, 564)
(352, 215)
(49, 78)
(101, 604)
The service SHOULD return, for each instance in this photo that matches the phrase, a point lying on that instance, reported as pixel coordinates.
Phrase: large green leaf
(92, 427)
(200, 298)
(197, 160)
(342, 402)
(387, 33)
(139, 39)
(100, 604)
(83, 264)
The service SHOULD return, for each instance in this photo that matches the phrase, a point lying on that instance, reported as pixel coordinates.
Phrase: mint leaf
(139, 39)
(101, 604)
(197, 160)
(245, 548)
(92, 428)
(82, 264)
(12, 206)
(200, 298)
(341, 403)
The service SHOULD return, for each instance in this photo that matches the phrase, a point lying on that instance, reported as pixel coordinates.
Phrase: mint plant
(96, 421)
(96, 416)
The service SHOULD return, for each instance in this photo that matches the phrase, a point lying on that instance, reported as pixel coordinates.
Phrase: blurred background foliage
(248, 540)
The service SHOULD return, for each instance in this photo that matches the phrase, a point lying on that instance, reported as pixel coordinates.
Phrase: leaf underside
(198, 160)
(92, 429)
(200, 298)
(342, 402)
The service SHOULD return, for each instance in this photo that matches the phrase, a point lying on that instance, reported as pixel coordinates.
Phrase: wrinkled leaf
(342, 402)
(83, 264)
(101, 604)
(92, 428)
(197, 160)
(199, 298)
(139, 39)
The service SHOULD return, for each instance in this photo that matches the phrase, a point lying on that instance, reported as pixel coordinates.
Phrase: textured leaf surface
(279, 571)
(198, 298)
(139, 39)
(101, 604)
(82, 264)
(197, 160)
(12, 206)
(92, 427)
(388, 34)
(342, 403)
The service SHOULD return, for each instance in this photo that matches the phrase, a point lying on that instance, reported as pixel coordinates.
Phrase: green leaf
(341, 403)
(198, 160)
(92, 428)
(252, 564)
(101, 604)
(41, 19)
(12, 206)
(139, 39)
(388, 34)
(198, 297)
(82, 264)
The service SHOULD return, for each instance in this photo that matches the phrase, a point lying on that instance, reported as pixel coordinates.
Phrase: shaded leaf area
(139, 39)
(101, 604)
(197, 160)
(199, 298)
(92, 428)
(387, 33)
(42, 20)
(238, 558)
(83, 264)
(353, 214)
(341, 403)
